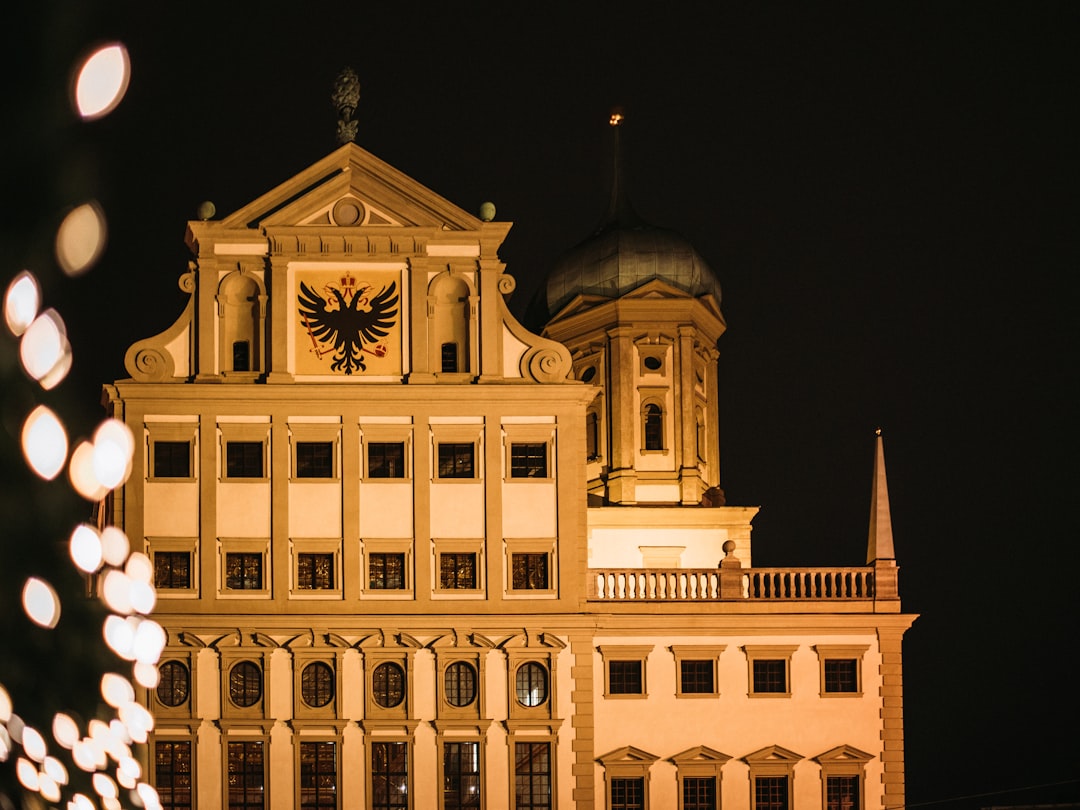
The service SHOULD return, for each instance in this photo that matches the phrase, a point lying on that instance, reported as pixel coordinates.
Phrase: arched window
(388, 685)
(449, 326)
(531, 684)
(317, 684)
(460, 683)
(245, 684)
(174, 684)
(653, 427)
(239, 304)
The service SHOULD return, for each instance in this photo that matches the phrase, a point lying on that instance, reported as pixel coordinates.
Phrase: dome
(620, 257)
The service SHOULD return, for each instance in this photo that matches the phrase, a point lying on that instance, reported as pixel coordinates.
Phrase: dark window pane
(172, 459)
(460, 684)
(770, 675)
(386, 459)
(386, 572)
(627, 793)
(243, 459)
(592, 435)
(243, 572)
(529, 572)
(699, 793)
(389, 776)
(246, 776)
(654, 428)
(245, 684)
(841, 675)
(842, 793)
(461, 775)
(456, 459)
(388, 685)
(174, 683)
(172, 569)
(172, 772)
(528, 460)
(624, 678)
(314, 572)
(318, 775)
(531, 684)
(532, 776)
(771, 793)
(457, 571)
(241, 356)
(314, 459)
(449, 357)
(317, 684)
(697, 677)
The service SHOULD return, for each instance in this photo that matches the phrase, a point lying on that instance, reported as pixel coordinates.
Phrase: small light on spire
(616, 118)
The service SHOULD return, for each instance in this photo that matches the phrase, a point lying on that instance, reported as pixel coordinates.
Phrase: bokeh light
(116, 689)
(147, 675)
(21, 302)
(80, 239)
(65, 730)
(44, 442)
(81, 473)
(114, 446)
(34, 744)
(86, 549)
(44, 349)
(41, 603)
(114, 545)
(101, 81)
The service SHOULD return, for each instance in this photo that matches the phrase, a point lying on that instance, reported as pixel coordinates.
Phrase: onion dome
(624, 253)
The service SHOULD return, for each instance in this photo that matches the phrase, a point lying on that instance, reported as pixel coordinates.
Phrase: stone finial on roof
(345, 97)
(879, 544)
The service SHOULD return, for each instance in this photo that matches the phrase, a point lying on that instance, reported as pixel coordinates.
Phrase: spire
(620, 212)
(879, 545)
(345, 97)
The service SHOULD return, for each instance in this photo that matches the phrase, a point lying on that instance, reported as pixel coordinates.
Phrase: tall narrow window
(771, 793)
(592, 435)
(699, 793)
(628, 793)
(532, 776)
(246, 776)
(461, 775)
(449, 357)
(842, 793)
(654, 427)
(389, 776)
(318, 775)
(241, 355)
(172, 772)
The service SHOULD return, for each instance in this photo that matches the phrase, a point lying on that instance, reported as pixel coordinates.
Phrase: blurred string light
(96, 467)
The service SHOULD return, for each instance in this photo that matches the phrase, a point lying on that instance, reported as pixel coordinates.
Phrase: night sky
(887, 193)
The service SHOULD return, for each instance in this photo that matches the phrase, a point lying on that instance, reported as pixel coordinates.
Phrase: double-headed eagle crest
(350, 321)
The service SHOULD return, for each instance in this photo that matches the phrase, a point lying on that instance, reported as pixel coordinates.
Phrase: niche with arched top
(450, 329)
(240, 308)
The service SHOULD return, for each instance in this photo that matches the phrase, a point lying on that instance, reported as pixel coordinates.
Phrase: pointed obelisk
(879, 545)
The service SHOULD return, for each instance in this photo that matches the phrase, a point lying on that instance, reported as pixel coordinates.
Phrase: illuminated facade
(410, 554)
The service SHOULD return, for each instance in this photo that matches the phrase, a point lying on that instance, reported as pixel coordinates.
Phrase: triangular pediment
(626, 755)
(351, 188)
(844, 753)
(700, 754)
(774, 753)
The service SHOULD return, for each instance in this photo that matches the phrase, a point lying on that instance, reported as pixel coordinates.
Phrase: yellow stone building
(411, 555)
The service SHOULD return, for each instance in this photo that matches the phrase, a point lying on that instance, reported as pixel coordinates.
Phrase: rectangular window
(457, 460)
(389, 776)
(386, 459)
(243, 571)
(528, 460)
(314, 460)
(241, 355)
(628, 793)
(318, 775)
(449, 362)
(624, 678)
(461, 775)
(172, 459)
(172, 569)
(771, 793)
(841, 675)
(172, 771)
(457, 571)
(314, 572)
(770, 675)
(530, 572)
(247, 776)
(699, 793)
(842, 793)
(532, 776)
(244, 459)
(697, 677)
(386, 571)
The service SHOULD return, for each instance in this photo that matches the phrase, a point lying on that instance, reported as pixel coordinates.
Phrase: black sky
(887, 193)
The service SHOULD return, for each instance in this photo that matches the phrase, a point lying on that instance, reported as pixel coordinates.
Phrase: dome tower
(639, 310)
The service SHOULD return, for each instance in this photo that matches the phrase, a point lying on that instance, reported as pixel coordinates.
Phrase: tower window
(243, 459)
(172, 459)
(456, 460)
(528, 460)
(592, 435)
(241, 355)
(654, 427)
(386, 459)
(449, 358)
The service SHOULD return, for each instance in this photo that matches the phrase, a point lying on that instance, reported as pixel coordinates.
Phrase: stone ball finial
(487, 211)
(728, 547)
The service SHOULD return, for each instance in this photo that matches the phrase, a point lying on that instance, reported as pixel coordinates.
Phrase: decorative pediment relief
(531, 638)
(243, 638)
(167, 356)
(843, 753)
(628, 754)
(772, 754)
(462, 638)
(700, 754)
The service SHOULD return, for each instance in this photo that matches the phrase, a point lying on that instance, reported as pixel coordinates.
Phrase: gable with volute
(348, 272)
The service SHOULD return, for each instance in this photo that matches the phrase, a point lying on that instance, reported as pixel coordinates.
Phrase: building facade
(410, 554)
